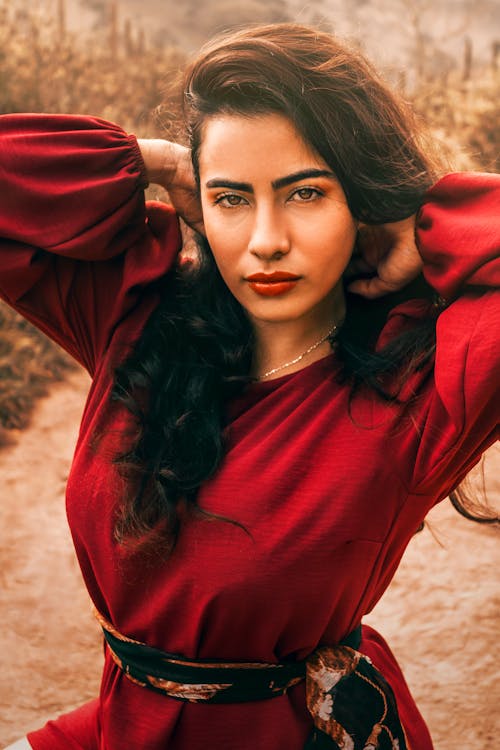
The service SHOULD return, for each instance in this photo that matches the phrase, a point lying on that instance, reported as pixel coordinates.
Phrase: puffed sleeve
(458, 235)
(78, 246)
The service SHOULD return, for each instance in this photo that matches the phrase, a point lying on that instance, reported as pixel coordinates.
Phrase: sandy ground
(441, 613)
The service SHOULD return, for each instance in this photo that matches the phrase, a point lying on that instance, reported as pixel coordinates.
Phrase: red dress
(331, 500)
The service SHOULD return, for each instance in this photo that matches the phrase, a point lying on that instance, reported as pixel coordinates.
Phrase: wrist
(160, 159)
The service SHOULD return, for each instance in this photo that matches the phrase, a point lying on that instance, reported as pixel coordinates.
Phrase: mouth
(273, 278)
(272, 284)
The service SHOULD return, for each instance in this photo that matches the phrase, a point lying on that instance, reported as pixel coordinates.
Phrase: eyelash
(315, 193)
(224, 196)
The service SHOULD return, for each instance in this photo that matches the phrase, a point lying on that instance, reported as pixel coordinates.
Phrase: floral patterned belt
(351, 704)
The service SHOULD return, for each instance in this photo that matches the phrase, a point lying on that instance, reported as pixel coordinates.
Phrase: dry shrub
(464, 116)
(29, 361)
(43, 69)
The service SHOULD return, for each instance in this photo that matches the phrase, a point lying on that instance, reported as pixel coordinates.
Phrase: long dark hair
(370, 141)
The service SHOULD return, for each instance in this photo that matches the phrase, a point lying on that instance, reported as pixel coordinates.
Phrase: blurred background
(120, 60)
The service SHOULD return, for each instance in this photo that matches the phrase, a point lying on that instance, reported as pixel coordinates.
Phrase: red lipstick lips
(272, 284)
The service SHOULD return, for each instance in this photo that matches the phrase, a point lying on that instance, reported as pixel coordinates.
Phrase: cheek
(337, 247)
(349, 234)
(227, 245)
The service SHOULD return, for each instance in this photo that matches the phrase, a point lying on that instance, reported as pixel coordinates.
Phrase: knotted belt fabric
(351, 704)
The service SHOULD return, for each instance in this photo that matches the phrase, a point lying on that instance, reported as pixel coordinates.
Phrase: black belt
(350, 702)
(177, 676)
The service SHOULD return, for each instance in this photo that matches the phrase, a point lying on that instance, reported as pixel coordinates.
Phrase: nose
(269, 239)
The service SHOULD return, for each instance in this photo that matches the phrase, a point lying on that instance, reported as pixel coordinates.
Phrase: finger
(358, 266)
(373, 288)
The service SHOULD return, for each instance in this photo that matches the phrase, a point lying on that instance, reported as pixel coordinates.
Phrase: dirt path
(441, 613)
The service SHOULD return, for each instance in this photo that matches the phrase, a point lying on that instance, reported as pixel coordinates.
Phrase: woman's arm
(454, 240)
(169, 164)
(78, 247)
(458, 236)
(458, 233)
(70, 185)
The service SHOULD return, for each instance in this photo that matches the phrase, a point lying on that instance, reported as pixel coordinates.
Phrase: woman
(257, 448)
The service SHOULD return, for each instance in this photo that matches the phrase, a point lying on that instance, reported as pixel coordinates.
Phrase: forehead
(253, 148)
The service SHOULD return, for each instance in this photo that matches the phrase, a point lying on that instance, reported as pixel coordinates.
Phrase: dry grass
(464, 117)
(44, 68)
(28, 363)
(116, 75)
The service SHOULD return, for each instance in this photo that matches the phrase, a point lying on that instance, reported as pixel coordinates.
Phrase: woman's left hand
(389, 254)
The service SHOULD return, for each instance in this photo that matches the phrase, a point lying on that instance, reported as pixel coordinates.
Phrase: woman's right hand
(169, 164)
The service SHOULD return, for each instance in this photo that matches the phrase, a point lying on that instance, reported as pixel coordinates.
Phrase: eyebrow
(281, 182)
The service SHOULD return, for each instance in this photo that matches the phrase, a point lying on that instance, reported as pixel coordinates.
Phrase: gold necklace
(301, 356)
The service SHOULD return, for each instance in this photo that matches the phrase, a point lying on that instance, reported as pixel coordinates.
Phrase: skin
(270, 203)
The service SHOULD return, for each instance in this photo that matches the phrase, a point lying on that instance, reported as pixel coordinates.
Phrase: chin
(277, 315)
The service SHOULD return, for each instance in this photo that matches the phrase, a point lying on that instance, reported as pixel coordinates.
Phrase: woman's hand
(169, 165)
(388, 253)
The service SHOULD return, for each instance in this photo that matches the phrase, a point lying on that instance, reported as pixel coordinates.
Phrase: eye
(229, 200)
(305, 194)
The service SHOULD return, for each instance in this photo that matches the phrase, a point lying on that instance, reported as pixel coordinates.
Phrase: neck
(280, 342)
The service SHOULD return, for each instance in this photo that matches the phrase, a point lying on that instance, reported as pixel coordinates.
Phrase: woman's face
(276, 218)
